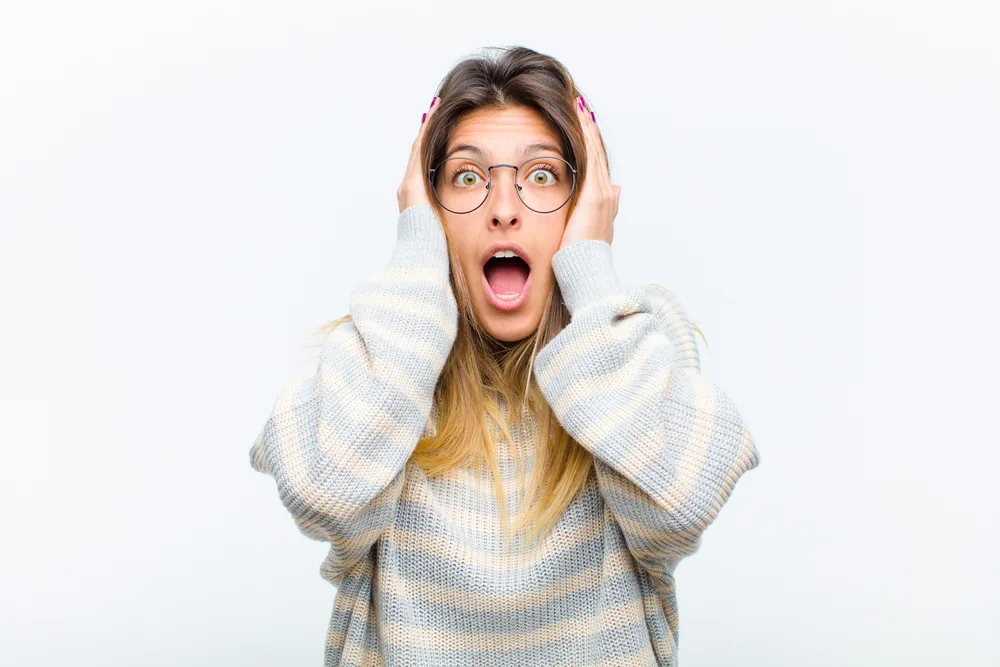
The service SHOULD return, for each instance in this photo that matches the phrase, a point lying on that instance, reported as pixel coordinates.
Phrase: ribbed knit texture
(421, 572)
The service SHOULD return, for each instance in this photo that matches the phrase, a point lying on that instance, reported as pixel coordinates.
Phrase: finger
(602, 158)
(435, 104)
(419, 140)
(588, 136)
(423, 123)
(594, 147)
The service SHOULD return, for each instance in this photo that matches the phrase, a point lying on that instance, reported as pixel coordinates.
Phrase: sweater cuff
(585, 273)
(420, 238)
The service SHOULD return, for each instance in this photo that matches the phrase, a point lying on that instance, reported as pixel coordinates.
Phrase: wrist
(585, 272)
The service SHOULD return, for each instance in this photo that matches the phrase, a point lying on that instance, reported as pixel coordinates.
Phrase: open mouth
(506, 281)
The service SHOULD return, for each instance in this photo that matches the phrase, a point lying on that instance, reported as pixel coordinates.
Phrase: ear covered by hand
(413, 189)
(594, 214)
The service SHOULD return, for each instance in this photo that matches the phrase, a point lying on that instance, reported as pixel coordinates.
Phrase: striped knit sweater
(421, 573)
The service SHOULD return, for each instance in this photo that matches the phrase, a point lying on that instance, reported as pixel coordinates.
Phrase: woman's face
(503, 136)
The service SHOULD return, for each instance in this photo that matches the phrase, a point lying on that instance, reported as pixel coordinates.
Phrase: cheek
(474, 279)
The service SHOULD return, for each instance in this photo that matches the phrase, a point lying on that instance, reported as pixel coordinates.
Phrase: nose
(505, 205)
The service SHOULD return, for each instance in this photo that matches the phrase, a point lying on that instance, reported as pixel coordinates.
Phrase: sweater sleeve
(337, 443)
(623, 378)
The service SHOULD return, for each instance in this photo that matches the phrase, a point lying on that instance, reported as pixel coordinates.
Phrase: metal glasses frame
(517, 170)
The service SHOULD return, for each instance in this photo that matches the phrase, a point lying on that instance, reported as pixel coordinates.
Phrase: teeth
(505, 253)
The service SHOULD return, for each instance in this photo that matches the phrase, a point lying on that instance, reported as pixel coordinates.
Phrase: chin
(512, 335)
(509, 327)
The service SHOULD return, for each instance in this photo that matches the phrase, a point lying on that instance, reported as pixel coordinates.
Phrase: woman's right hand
(413, 189)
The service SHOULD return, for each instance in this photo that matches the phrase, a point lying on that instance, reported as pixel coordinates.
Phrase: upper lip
(505, 245)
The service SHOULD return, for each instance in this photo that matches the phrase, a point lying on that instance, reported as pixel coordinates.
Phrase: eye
(465, 176)
(543, 174)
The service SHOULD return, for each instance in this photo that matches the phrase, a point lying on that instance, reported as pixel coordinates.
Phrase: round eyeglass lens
(544, 183)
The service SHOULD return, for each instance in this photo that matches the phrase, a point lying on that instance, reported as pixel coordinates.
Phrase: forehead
(502, 133)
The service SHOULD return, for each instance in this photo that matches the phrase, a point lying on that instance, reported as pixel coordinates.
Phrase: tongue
(506, 277)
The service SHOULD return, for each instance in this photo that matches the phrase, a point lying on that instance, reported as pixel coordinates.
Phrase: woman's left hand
(595, 211)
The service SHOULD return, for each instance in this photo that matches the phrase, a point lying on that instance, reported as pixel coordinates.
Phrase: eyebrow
(526, 150)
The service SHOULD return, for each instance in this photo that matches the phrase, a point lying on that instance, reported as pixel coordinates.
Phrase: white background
(187, 189)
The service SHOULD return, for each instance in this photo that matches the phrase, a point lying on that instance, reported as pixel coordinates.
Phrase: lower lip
(512, 303)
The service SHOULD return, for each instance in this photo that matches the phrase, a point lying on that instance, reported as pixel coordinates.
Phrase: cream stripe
(350, 654)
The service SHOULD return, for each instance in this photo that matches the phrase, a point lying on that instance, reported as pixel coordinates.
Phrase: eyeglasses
(544, 184)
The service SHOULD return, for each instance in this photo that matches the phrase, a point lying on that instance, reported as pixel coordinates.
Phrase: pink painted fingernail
(433, 100)
(583, 102)
(423, 118)
(592, 117)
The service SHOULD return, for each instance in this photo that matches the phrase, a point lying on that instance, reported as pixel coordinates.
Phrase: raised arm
(623, 378)
(337, 442)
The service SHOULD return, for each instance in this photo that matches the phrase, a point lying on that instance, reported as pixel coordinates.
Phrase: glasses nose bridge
(490, 169)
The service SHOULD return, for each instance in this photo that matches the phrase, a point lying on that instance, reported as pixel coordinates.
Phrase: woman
(498, 348)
